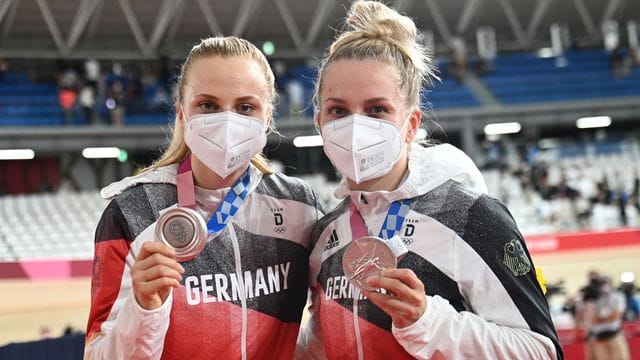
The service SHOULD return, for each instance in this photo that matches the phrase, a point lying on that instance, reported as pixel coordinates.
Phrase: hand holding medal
(370, 263)
(368, 256)
(183, 229)
(405, 300)
(154, 272)
(181, 234)
(365, 257)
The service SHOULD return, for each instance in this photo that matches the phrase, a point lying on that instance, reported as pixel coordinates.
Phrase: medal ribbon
(229, 206)
(392, 223)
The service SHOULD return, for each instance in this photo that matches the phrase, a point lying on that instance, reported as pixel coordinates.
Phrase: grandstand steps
(480, 90)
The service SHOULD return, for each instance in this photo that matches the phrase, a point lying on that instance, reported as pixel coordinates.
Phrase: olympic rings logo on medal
(176, 228)
(178, 231)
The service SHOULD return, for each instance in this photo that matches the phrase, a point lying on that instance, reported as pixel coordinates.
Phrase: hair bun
(376, 32)
(378, 21)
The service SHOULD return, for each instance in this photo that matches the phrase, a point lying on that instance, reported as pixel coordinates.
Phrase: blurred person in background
(67, 98)
(465, 285)
(243, 295)
(87, 100)
(295, 94)
(629, 289)
(605, 316)
(4, 67)
(458, 66)
(117, 85)
(92, 72)
(68, 92)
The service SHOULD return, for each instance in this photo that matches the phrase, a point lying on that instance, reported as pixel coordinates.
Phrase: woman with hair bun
(205, 254)
(417, 261)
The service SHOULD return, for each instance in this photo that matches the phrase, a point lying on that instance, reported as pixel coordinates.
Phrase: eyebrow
(338, 100)
(377, 99)
(243, 98)
(368, 101)
(249, 97)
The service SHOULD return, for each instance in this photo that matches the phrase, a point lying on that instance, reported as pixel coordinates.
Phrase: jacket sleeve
(310, 345)
(118, 327)
(442, 332)
(507, 317)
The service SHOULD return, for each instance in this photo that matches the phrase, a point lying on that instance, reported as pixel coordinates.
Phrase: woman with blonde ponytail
(205, 253)
(417, 261)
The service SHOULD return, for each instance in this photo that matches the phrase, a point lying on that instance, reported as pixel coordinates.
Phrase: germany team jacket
(483, 297)
(265, 247)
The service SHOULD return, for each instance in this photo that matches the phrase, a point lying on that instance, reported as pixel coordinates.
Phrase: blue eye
(245, 108)
(207, 107)
(378, 110)
(337, 111)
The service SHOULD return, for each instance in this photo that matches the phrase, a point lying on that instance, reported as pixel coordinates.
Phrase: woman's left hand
(405, 300)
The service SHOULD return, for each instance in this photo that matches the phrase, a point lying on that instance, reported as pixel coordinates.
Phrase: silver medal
(184, 230)
(365, 257)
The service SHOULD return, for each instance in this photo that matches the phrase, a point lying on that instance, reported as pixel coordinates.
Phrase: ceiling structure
(300, 29)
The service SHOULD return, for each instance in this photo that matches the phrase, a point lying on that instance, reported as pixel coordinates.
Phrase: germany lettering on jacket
(339, 287)
(207, 288)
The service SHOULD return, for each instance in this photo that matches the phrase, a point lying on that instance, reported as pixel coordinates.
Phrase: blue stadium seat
(586, 74)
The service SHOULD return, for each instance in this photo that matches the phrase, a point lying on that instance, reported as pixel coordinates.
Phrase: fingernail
(181, 269)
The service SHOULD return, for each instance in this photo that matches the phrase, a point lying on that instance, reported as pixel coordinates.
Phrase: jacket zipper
(243, 297)
(356, 325)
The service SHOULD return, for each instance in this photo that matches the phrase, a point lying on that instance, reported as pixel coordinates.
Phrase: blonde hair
(377, 32)
(229, 46)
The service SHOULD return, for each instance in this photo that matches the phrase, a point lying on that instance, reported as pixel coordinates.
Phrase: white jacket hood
(428, 168)
(167, 175)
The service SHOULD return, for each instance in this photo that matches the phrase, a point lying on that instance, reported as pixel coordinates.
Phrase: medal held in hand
(365, 257)
(368, 256)
(184, 230)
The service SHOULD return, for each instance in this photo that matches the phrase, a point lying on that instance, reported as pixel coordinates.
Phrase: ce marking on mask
(236, 159)
(372, 160)
(278, 220)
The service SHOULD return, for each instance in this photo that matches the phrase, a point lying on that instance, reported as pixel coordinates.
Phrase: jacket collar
(164, 175)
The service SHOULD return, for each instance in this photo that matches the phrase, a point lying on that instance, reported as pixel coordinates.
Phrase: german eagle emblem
(515, 258)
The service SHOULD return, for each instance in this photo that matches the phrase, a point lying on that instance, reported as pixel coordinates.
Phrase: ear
(180, 115)
(413, 126)
(316, 124)
(269, 118)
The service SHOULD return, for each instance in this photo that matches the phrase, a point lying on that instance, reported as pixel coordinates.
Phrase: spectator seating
(62, 225)
(25, 103)
(449, 93)
(582, 171)
(59, 226)
(517, 79)
(580, 74)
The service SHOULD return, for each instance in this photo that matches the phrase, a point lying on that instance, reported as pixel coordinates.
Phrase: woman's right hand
(154, 273)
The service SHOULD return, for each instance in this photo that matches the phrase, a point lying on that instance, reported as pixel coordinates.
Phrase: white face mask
(362, 148)
(225, 141)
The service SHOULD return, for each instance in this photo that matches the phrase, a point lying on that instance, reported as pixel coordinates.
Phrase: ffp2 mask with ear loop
(361, 147)
(225, 141)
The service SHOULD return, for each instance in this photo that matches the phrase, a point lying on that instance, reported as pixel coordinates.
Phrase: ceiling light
(593, 122)
(17, 154)
(502, 128)
(101, 152)
(307, 141)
